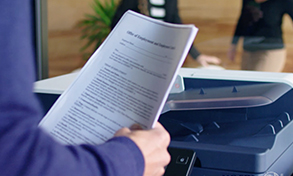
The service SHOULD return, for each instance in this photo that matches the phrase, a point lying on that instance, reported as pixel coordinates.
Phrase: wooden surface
(215, 19)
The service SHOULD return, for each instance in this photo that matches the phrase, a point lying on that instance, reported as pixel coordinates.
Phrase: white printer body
(239, 123)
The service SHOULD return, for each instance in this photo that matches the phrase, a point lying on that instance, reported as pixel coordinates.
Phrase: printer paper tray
(226, 97)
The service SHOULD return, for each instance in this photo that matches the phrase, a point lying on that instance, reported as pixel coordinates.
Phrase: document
(126, 81)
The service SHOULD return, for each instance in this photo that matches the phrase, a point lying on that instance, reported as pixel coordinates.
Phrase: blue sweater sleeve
(25, 150)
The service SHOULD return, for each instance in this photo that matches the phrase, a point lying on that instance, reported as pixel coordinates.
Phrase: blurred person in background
(165, 10)
(260, 24)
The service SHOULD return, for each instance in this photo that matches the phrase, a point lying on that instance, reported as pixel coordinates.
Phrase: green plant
(96, 27)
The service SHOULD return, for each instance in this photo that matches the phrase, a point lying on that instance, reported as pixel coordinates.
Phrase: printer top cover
(238, 125)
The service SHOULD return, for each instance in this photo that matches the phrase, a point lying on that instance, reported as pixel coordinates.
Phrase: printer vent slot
(191, 138)
(194, 127)
(277, 125)
(213, 125)
(285, 118)
(269, 129)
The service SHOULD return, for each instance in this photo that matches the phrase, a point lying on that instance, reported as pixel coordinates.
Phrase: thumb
(122, 132)
(136, 127)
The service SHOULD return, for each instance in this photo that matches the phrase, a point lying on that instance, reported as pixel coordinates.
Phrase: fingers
(158, 125)
(158, 172)
(127, 131)
(153, 144)
(136, 127)
(204, 60)
(123, 132)
(212, 59)
(166, 157)
(162, 133)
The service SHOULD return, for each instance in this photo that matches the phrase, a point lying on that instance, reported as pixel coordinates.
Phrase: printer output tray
(244, 129)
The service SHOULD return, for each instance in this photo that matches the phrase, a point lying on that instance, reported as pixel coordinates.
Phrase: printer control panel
(182, 161)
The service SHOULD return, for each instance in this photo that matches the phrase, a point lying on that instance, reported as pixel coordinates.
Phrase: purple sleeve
(24, 149)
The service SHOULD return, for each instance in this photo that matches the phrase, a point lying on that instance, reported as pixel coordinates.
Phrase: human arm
(25, 150)
(153, 143)
(232, 52)
(173, 16)
(237, 33)
(206, 60)
(203, 59)
(288, 5)
(251, 14)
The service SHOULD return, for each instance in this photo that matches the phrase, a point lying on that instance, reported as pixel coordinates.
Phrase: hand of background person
(153, 144)
(205, 60)
(232, 53)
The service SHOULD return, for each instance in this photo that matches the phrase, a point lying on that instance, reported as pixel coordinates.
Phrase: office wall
(214, 18)
(64, 36)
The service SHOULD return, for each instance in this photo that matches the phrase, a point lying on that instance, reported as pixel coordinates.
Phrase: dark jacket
(25, 150)
(261, 24)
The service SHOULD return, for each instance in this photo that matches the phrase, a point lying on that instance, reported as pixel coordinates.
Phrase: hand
(232, 52)
(204, 60)
(153, 144)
